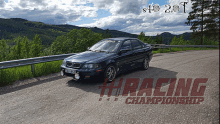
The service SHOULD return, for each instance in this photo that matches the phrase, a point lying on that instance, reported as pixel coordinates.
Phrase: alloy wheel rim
(111, 73)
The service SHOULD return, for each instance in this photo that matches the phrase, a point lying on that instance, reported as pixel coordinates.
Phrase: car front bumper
(83, 73)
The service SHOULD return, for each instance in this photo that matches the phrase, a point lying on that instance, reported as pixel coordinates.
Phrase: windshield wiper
(99, 51)
(102, 51)
(96, 50)
(92, 50)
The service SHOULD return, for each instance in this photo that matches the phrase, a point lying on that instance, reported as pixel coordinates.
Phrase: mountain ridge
(13, 27)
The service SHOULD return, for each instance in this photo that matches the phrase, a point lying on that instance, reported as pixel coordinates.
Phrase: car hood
(88, 56)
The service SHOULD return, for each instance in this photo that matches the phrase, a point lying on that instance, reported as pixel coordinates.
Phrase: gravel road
(56, 99)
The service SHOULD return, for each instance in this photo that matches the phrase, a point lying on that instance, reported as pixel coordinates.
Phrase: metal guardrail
(170, 46)
(32, 61)
(157, 44)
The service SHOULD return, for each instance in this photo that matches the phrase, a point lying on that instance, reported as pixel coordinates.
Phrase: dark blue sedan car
(107, 58)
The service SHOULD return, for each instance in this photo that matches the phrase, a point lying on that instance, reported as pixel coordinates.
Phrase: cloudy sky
(123, 15)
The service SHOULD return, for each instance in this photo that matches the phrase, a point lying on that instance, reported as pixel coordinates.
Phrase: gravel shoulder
(56, 99)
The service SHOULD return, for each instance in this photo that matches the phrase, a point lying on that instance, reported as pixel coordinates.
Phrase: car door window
(142, 44)
(135, 44)
(126, 45)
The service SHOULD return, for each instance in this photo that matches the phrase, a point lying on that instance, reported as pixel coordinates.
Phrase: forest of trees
(24, 48)
(178, 40)
(205, 32)
(149, 40)
(73, 42)
(204, 21)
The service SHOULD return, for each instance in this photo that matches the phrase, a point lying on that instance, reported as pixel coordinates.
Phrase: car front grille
(72, 65)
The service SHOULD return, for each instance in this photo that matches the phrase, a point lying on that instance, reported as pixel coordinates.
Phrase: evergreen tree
(58, 46)
(36, 46)
(181, 41)
(106, 34)
(158, 39)
(141, 36)
(150, 41)
(75, 41)
(203, 23)
(12, 54)
(211, 29)
(26, 47)
(3, 50)
(174, 41)
(17, 52)
(87, 39)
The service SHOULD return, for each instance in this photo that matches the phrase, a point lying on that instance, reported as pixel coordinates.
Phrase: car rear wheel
(110, 73)
(145, 63)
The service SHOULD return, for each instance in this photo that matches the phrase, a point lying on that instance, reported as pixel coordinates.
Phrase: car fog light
(77, 76)
(61, 73)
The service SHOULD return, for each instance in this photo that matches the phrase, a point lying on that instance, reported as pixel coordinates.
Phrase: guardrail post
(32, 69)
(170, 48)
(182, 48)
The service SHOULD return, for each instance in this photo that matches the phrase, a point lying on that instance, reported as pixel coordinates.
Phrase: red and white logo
(177, 93)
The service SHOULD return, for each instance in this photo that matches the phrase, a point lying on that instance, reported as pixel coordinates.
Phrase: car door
(138, 53)
(124, 59)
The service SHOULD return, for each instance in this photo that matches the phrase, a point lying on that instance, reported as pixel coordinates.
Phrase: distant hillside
(10, 28)
(167, 37)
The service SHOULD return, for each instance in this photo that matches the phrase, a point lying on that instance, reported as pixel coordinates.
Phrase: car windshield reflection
(106, 46)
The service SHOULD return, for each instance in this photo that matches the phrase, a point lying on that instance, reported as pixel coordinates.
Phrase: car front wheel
(110, 73)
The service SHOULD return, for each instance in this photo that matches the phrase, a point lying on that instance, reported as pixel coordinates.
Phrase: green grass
(175, 49)
(10, 75)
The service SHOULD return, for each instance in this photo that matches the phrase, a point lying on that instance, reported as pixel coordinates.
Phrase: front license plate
(69, 70)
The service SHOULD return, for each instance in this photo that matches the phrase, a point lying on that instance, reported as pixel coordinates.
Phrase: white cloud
(126, 15)
(151, 23)
(128, 21)
(48, 11)
(2, 3)
(120, 7)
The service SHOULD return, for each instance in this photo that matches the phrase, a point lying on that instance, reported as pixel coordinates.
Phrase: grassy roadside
(10, 75)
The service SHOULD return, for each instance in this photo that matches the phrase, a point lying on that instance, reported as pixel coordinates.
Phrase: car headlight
(91, 66)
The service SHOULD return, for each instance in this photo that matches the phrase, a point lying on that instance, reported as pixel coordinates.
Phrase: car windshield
(106, 46)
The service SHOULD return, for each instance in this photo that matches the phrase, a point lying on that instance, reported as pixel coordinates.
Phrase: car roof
(120, 38)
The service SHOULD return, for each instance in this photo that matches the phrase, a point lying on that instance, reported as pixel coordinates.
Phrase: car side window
(126, 45)
(142, 44)
(135, 44)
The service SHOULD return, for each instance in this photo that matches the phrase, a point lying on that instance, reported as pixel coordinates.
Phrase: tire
(110, 69)
(145, 64)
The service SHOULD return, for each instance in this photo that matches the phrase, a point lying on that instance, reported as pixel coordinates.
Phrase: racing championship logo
(179, 95)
